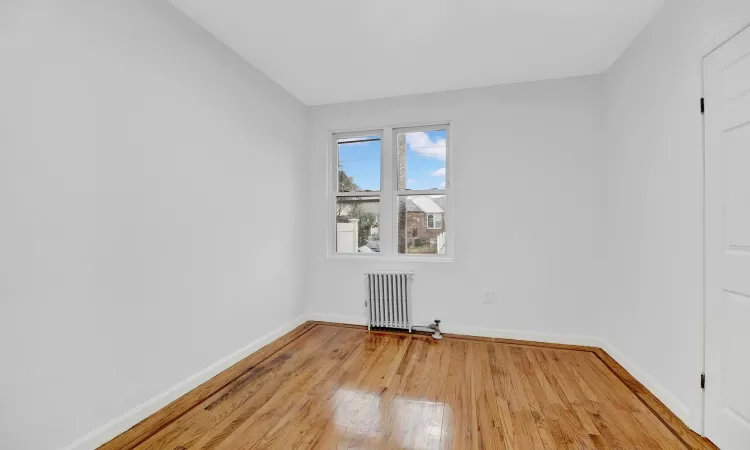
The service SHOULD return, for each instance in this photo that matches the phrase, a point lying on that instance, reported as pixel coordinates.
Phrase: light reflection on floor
(363, 416)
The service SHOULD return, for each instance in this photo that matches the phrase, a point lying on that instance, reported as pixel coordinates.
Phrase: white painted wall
(136, 151)
(654, 191)
(526, 198)
(139, 239)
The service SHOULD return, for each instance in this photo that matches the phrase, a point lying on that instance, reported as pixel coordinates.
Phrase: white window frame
(433, 227)
(389, 193)
(335, 191)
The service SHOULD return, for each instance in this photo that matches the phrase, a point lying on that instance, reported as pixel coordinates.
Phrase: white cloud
(421, 143)
(442, 185)
(439, 173)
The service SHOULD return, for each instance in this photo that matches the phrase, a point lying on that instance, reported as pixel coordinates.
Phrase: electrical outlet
(489, 298)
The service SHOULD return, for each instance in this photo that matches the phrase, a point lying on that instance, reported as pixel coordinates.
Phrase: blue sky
(425, 161)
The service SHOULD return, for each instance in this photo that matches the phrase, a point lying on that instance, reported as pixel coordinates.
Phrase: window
(434, 221)
(358, 180)
(390, 191)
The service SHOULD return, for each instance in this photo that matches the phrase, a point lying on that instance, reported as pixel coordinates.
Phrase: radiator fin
(388, 297)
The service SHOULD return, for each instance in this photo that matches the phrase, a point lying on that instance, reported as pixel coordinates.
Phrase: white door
(726, 74)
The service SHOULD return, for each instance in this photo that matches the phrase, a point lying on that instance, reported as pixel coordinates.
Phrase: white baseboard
(337, 318)
(663, 394)
(475, 331)
(567, 339)
(120, 424)
(666, 396)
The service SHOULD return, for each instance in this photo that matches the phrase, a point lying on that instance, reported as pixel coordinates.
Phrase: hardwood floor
(327, 386)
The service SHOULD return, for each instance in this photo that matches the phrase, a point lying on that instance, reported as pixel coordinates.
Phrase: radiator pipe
(433, 328)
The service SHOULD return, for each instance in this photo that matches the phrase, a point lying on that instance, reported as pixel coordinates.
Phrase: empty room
(391, 224)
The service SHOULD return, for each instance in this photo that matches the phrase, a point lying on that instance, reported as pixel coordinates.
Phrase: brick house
(425, 220)
(423, 228)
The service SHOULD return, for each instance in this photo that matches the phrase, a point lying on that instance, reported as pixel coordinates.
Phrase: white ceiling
(329, 51)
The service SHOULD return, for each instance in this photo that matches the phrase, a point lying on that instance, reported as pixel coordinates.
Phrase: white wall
(654, 188)
(140, 239)
(526, 199)
(136, 152)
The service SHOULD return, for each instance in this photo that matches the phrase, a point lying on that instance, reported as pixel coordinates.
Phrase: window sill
(390, 258)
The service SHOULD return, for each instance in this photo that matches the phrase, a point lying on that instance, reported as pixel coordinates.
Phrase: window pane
(357, 224)
(359, 163)
(417, 232)
(421, 159)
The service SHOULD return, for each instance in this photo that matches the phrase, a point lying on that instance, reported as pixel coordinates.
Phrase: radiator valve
(436, 328)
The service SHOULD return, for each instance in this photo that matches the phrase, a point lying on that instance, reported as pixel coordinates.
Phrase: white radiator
(388, 300)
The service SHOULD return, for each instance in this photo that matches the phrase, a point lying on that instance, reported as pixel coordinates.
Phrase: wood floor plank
(572, 390)
(309, 433)
(632, 410)
(612, 415)
(283, 419)
(364, 412)
(327, 386)
(260, 428)
(527, 390)
(565, 410)
(417, 426)
(687, 436)
(456, 398)
(332, 433)
(521, 403)
(211, 421)
(152, 424)
(436, 396)
(488, 410)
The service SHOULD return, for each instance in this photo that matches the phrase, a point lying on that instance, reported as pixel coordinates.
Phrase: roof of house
(426, 204)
